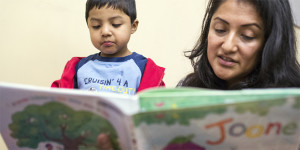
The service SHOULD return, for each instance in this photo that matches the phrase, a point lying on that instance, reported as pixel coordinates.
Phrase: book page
(173, 98)
(2, 144)
(256, 122)
(42, 118)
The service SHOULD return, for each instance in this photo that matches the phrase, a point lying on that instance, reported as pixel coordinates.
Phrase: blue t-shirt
(110, 74)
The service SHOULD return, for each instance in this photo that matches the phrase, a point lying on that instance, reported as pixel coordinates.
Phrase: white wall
(167, 28)
(39, 36)
(298, 41)
(295, 4)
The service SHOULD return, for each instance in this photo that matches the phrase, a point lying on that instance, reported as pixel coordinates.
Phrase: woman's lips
(226, 61)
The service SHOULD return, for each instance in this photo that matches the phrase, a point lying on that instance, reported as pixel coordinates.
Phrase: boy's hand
(104, 142)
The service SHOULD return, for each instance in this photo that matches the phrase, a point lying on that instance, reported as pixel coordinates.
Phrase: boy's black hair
(127, 6)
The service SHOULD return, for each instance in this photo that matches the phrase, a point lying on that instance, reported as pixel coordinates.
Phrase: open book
(157, 119)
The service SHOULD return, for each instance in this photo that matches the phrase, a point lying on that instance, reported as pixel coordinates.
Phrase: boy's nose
(105, 30)
(230, 44)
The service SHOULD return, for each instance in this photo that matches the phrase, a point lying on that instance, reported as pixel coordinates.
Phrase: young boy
(115, 68)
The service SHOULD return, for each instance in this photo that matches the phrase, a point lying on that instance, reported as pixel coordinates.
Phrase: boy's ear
(134, 26)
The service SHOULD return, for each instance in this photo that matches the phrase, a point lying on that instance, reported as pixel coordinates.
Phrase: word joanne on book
(253, 131)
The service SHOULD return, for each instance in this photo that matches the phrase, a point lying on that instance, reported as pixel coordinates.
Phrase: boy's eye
(116, 25)
(96, 27)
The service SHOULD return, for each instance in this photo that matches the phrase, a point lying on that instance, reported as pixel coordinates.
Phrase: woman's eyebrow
(218, 18)
(252, 24)
(244, 25)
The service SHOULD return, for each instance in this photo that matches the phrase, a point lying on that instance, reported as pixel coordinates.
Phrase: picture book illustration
(183, 143)
(58, 123)
(44, 119)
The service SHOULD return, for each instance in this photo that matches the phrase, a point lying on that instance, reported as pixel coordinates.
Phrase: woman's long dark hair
(278, 65)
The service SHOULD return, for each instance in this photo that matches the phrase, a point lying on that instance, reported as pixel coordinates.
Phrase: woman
(245, 44)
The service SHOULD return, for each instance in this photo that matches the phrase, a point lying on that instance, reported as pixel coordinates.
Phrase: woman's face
(235, 41)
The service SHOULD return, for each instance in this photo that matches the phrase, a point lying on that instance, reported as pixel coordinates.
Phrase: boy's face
(110, 31)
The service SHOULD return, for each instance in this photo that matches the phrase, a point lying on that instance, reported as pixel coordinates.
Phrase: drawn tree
(260, 108)
(58, 123)
(181, 116)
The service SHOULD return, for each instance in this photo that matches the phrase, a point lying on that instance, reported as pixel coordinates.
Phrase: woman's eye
(116, 25)
(220, 31)
(247, 38)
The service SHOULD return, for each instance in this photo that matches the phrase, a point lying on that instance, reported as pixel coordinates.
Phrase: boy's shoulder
(138, 57)
(80, 61)
(90, 57)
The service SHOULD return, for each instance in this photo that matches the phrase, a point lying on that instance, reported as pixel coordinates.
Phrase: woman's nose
(230, 44)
